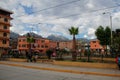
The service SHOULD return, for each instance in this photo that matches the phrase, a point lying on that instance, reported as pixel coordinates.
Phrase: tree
(116, 41)
(108, 35)
(30, 40)
(104, 35)
(100, 33)
(49, 53)
(74, 31)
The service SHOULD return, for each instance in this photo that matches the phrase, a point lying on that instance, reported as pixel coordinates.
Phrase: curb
(61, 70)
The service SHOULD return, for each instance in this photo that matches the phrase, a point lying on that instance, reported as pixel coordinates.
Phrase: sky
(55, 17)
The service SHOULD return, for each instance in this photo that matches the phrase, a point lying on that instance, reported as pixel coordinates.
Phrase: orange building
(4, 29)
(95, 45)
(40, 44)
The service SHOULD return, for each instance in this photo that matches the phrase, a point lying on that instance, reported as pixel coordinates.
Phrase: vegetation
(30, 40)
(60, 53)
(49, 53)
(116, 41)
(74, 31)
(103, 35)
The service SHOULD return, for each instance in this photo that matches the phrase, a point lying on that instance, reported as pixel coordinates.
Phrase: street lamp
(87, 46)
(110, 24)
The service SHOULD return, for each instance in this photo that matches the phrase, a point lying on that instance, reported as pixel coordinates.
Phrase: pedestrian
(118, 61)
(35, 56)
(27, 56)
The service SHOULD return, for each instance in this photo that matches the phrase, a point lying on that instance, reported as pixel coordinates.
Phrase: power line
(73, 14)
(53, 7)
(90, 11)
(79, 13)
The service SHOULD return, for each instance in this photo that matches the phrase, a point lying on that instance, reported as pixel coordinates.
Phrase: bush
(49, 53)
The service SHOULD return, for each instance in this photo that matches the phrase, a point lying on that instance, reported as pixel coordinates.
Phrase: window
(46, 46)
(23, 40)
(4, 34)
(19, 40)
(42, 41)
(5, 19)
(23, 45)
(4, 41)
(19, 45)
(94, 41)
(5, 27)
(42, 46)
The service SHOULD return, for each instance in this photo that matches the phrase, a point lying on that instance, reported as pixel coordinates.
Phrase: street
(19, 73)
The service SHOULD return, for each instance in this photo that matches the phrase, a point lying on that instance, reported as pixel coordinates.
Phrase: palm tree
(74, 31)
(30, 40)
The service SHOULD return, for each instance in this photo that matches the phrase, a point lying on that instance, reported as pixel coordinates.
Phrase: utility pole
(110, 27)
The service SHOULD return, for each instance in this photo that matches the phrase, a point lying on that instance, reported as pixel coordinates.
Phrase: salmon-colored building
(95, 45)
(4, 29)
(39, 45)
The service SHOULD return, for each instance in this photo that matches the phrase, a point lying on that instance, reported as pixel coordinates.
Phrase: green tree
(74, 31)
(100, 33)
(108, 35)
(104, 35)
(49, 53)
(116, 40)
(30, 40)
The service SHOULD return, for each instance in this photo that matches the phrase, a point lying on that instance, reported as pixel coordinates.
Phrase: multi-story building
(39, 45)
(95, 45)
(4, 29)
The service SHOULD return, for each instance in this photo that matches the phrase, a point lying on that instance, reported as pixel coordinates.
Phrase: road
(20, 73)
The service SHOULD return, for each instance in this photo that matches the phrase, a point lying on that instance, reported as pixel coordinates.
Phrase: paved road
(19, 73)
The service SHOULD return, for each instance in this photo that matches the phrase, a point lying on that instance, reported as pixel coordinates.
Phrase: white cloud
(86, 20)
(85, 36)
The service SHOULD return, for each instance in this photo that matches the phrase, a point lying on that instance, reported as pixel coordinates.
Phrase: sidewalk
(68, 69)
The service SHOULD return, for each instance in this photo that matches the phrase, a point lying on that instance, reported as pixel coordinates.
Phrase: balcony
(5, 30)
(5, 23)
(6, 38)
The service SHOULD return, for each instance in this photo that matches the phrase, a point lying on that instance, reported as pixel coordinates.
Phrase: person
(27, 56)
(35, 56)
(118, 61)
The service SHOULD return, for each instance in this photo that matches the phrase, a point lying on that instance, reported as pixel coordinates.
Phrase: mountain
(57, 38)
(33, 34)
(13, 35)
(13, 40)
(84, 40)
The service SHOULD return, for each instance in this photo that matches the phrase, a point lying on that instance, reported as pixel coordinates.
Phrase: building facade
(40, 44)
(65, 44)
(4, 29)
(95, 45)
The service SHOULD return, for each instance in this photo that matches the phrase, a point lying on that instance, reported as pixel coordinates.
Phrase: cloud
(54, 21)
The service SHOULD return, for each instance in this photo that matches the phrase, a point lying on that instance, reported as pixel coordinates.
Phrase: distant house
(65, 44)
(40, 44)
(95, 45)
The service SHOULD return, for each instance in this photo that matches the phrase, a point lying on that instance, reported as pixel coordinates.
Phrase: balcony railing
(6, 23)
(5, 30)
(2, 38)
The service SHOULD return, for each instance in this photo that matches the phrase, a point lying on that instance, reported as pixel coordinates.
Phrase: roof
(6, 10)
(94, 40)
